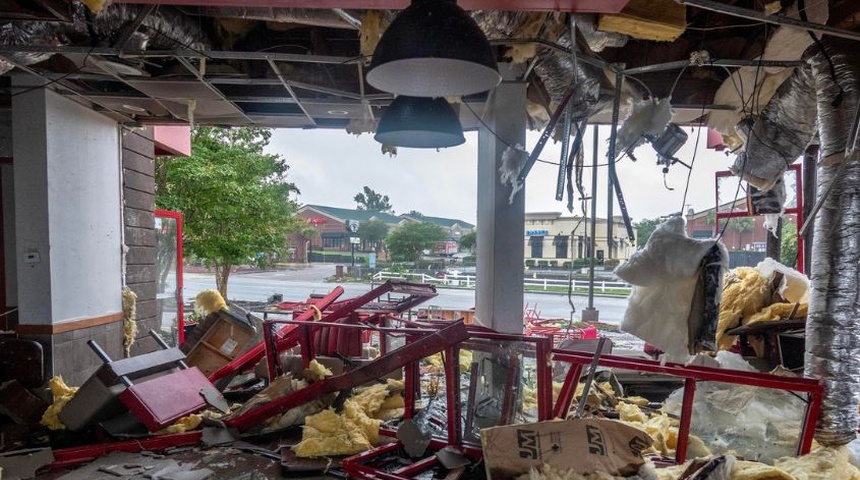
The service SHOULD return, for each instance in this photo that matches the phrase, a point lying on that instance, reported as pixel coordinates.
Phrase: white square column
(500, 250)
(68, 224)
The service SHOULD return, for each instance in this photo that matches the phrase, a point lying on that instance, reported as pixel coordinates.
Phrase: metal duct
(781, 133)
(597, 40)
(832, 328)
(557, 71)
(27, 33)
(335, 18)
(162, 29)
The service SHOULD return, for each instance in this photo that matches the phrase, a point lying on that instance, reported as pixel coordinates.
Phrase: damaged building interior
(93, 90)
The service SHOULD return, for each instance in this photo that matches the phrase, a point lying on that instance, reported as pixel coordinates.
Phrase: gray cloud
(331, 166)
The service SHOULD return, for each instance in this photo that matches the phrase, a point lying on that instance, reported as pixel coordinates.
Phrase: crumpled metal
(555, 68)
(597, 41)
(832, 327)
(837, 101)
(558, 72)
(781, 133)
(163, 29)
(20, 33)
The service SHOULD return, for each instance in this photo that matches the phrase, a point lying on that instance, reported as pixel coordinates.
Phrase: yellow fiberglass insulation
(96, 6)
(548, 472)
(209, 301)
(316, 371)
(662, 429)
(435, 361)
(745, 294)
(184, 424)
(62, 395)
(631, 413)
(820, 464)
(382, 401)
(129, 319)
(370, 32)
(778, 311)
(329, 433)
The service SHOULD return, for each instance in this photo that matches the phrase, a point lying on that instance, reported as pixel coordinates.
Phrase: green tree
(234, 198)
(788, 244)
(644, 229)
(468, 241)
(407, 241)
(373, 232)
(711, 217)
(742, 224)
(375, 202)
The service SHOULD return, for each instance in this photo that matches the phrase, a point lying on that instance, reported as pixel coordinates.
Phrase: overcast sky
(330, 167)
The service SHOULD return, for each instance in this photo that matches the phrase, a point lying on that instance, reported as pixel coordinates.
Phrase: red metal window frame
(180, 285)
(692, 374)
(797, 211)
(357, 465)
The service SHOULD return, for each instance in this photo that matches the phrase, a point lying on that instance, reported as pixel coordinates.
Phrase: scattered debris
(19, 404)
(23, 464)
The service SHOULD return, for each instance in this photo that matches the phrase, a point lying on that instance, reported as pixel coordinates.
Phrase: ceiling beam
(777, 19)
(581, 6)
(290, 90)
(191, 68)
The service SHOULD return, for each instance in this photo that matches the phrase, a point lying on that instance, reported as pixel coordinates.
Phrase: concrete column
(500, 248)
(68, 230)
(68, 225)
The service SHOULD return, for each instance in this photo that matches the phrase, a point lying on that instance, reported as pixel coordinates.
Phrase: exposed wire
(640, 82)
(677, 79)
(505, 142)
(693, 160)
(726, 27)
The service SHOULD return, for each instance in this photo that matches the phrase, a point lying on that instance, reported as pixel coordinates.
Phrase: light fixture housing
(420, 122)
(433, 49)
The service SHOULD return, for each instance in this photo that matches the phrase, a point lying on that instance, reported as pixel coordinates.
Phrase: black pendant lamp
(420, 122)
(433, 49)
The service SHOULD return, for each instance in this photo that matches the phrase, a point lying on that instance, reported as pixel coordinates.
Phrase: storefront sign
(532, 233)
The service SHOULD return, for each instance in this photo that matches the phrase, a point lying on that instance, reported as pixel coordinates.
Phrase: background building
(330, 228)
(552, 239)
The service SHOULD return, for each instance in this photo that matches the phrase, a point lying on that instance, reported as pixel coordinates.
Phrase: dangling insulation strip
(832, 328)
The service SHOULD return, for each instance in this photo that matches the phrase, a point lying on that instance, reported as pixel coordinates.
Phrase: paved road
(298, 284)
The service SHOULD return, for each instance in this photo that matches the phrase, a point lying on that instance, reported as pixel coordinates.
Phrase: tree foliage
(234, 198)
(711, 217)
(372, 201)
(415, 214)
(407, 241)
(644, 229)
(788, 244)
(373, 232)
(468, 241)
(741, 224)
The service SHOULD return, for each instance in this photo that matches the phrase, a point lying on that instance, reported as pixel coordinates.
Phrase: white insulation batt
(664, 276)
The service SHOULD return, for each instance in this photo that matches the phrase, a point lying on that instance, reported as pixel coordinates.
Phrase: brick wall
(138, 187)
